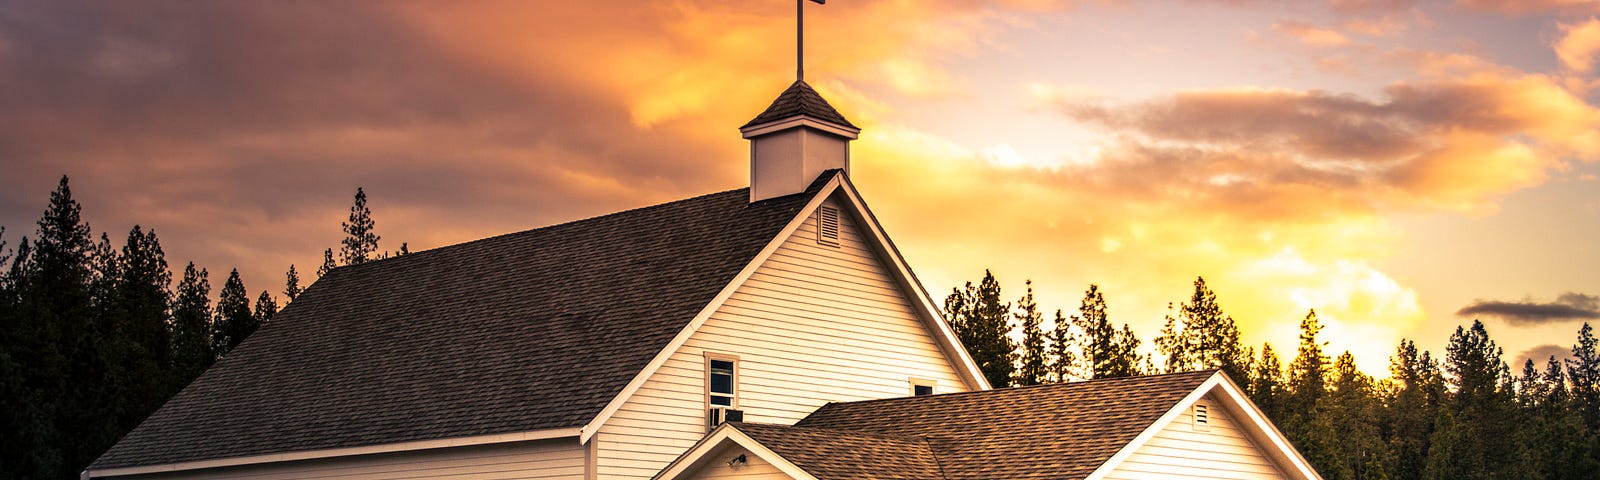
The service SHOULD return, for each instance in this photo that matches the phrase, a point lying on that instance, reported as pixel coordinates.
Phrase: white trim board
(335, 452)
(723, 435)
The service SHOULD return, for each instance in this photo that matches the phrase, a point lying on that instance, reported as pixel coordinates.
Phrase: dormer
(794, 140)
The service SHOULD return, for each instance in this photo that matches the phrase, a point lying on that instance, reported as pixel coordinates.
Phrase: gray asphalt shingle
(526, 331)
(1059, 431)
(799, 99)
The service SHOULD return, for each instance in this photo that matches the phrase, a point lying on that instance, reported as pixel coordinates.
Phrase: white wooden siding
(1222, 451)
(754, 467)
(814, 324)
(544, 459)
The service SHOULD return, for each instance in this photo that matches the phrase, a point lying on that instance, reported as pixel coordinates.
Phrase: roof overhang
(334, 452)
(727, 434)
(797, 122)
(1258, 427)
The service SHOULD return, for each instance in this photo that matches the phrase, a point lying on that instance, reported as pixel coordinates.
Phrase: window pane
(721, 383)
(722, 401)
(923, 390)
(722, 365)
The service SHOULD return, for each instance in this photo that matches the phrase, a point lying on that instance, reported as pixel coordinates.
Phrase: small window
(921, 386)
(1202, 418)
(721, 381)
(828, 226)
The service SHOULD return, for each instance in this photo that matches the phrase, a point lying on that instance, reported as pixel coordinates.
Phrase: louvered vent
(1202, 418)
(828, 226)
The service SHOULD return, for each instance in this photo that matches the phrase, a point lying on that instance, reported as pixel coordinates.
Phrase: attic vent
(828, 226)
(1202, 418)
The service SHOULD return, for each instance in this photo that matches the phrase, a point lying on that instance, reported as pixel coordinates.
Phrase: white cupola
(794, 141)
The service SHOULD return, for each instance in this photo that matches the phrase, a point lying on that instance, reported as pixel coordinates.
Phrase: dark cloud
(1567, 307)
(1450, 144)
(239, 130)
(1541, 356)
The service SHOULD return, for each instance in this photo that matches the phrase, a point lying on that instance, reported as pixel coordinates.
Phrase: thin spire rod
(800, 38)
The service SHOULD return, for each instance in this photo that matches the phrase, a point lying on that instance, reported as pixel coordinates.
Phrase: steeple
(794, 140)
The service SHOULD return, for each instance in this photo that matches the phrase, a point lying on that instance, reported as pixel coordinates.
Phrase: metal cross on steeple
(800, 38)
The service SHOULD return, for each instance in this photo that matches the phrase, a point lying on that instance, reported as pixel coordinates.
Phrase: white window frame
(733, 401)
(933, 385)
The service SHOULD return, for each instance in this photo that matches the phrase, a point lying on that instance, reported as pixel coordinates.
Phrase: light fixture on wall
(739, 460)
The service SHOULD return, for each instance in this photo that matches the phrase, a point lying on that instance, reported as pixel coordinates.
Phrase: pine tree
(361, 239)
(327, 263)
(1202, 337)
(143, 298)
(1033, 370)
(1266, 384)
(1560, 446)
(1413, 410)
(1173, 344)
(1099, 337)
(1305, 424)
(1065, 350)
(1309, 370)
(191, 327)
(291, 284)
(1352, 403)
(266, 308)
(979, 318)
(57, 312)
(1583, 373)
(1125, 360)
(1476, 436)
(234, 320)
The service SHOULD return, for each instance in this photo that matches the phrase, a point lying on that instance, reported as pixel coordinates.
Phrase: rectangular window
(922, 386)
(721, 381)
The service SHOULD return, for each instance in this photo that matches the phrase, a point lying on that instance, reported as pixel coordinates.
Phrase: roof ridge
(1030, 387)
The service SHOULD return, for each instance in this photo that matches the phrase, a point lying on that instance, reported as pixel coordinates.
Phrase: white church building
(772, 332)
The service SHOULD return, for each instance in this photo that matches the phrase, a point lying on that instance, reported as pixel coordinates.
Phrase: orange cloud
(1526, 7)
(1578, 45)
(1310, 34)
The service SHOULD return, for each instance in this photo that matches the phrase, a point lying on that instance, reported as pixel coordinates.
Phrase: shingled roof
(1053, 431)
(799, 99)
(526, 331)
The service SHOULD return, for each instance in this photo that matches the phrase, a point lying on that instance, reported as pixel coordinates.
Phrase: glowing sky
(1387, 162)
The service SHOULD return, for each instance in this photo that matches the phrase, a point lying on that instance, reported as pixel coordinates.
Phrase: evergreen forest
(96, 334)
(1463, 415)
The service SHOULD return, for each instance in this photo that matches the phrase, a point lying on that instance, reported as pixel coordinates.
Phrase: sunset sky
(1402, 167)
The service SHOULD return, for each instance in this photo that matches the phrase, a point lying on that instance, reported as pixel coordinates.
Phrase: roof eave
(797, 121)
(547, 434)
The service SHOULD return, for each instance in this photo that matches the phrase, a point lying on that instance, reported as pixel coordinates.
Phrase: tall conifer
(291, 284)
(191, 327)
(1033, 369)
(980, 319)
(143, 295)
(266, 308)
(361, 239)
(234, 320)
(327, 263)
